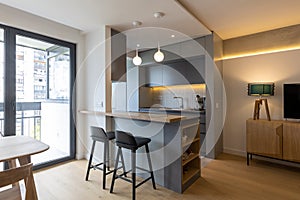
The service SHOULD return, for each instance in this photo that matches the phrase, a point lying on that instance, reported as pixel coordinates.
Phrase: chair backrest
(97, 133)
(12, 176)
(125, 139)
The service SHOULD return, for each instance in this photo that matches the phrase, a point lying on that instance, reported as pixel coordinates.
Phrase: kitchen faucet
(181, 105)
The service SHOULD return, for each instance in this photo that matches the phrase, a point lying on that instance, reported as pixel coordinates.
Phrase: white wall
(283, 67)
(92, 76)
(164, 96)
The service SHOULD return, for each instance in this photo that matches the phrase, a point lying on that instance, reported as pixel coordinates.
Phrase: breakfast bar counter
(155, 117)
(174, 146)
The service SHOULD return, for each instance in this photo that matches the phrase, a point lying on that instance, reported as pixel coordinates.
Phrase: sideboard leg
(247, 158)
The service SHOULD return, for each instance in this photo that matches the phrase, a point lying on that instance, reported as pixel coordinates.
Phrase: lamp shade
(261, 89)
(159, 56)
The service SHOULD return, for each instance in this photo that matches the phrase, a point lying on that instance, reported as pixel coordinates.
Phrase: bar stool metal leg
(115, 171)
(104, 164)
(90, 161)
(128, 141)
(123, 164)
(133, 164)
(150, 166)
(107, 156)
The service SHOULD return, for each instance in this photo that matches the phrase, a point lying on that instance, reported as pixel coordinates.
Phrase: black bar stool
(99, 135)
(128, 141)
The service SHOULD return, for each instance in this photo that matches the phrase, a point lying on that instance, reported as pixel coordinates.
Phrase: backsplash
(164, 96)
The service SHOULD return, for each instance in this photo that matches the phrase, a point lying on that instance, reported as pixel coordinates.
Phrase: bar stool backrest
(98, 134)
(126, 140)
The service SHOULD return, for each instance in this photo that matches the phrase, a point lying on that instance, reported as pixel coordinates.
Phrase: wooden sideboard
(274, 139)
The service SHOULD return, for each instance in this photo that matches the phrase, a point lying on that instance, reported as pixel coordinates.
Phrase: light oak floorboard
(226, 178)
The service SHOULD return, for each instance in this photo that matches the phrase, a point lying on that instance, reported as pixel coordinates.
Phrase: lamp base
(257, 104)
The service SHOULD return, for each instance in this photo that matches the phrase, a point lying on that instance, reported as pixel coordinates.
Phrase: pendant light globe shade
(137, 60)
(159, 56)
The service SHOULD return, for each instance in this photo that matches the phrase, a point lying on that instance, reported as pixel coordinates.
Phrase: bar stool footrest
(145, 170)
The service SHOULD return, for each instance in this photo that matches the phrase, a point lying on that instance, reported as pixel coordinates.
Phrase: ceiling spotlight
(158, 14)
(136, 23)
(172, 36)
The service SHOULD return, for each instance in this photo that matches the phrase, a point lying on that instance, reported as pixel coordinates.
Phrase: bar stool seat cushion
(141, 141)
(100, 137)
(111, 135)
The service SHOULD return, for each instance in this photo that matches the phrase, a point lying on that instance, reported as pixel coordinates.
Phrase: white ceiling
(88, 15)
(228, 18)
(234, 18)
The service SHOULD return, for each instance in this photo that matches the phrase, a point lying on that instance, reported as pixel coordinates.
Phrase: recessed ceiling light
(138, 45)
(136, 23)
(158, 14)
(172, 36)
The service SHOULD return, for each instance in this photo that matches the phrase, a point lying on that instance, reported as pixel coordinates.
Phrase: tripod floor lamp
(261, 90)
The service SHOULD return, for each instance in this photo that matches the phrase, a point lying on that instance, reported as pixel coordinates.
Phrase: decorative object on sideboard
(158, 56)
(261, 90)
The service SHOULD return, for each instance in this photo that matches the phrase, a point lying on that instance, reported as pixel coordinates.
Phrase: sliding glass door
(1, 82)
(1, 85)
(40, 86)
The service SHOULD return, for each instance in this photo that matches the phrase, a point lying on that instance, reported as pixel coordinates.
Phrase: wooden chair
(12, 177)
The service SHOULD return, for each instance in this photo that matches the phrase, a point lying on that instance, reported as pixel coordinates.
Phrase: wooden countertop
(154, 117)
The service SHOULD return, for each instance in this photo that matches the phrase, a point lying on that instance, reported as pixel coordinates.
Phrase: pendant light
(158, 56)
(137, 60)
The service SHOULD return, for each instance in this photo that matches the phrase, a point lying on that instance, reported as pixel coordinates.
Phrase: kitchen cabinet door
(192, 48)
(264, 137)
(118, 56)
(154, 75)
(291, 141)
(183, 72)
(172, 75)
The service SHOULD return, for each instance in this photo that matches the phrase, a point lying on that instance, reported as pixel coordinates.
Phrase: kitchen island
(174, 146)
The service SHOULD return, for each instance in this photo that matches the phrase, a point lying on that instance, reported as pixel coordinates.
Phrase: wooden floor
(227, 178)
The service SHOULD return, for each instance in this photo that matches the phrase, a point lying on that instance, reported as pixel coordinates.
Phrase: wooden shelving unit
(191, 157)
(190, 162)
(188, 143)
(189, 175)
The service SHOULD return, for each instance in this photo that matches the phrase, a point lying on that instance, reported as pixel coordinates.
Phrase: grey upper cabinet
(179, 72)
(147, 57)
(154, 75)
(172, 74)
(118, 56)
(184, 63)
(184, 71)
(192, 48)
(148, 60)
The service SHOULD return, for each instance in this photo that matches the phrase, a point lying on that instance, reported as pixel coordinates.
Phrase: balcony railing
(28, 119)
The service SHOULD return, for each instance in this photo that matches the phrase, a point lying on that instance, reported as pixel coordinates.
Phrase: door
(39, 77)
(1, 85)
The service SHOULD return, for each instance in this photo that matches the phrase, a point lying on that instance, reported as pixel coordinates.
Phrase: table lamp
(261, 90)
